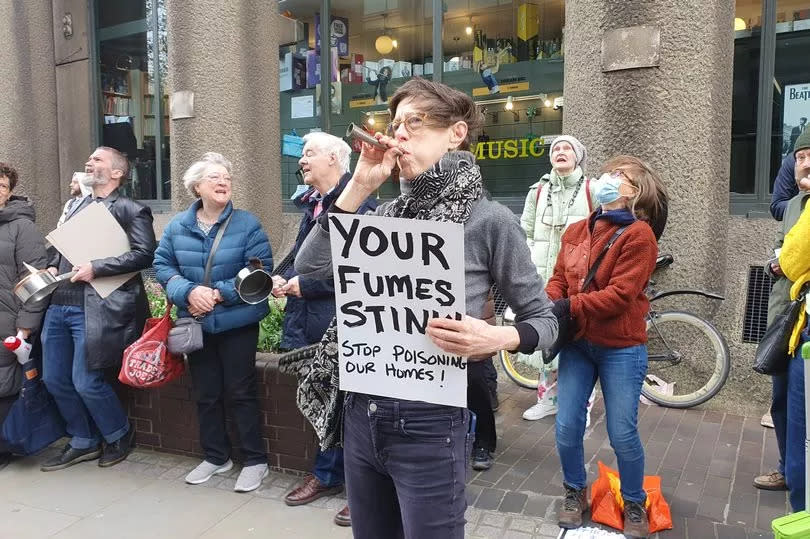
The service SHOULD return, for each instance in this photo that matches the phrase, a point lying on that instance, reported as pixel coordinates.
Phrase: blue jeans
(329, 467)
(86, 401)
(406, 464)
(796, 430)
(779, 401)
(621, 373)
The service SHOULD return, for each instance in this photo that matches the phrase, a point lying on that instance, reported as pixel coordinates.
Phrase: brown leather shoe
(574, 505)
(636, 525)
(771, 481)
(309, 491)
(343, 518)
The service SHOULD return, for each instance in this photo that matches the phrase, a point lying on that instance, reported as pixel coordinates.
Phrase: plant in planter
(269, 328)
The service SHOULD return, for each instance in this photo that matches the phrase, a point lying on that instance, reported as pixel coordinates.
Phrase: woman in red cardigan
(610, 330)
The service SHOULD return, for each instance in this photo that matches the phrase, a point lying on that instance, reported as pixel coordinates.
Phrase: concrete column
(676, 116)
(28, 123)
(225, 52)
(75, 110)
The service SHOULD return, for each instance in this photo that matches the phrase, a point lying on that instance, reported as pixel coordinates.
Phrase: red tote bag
(147, 362)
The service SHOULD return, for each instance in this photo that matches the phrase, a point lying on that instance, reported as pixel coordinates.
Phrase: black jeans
(406, 464)
(479, 402)
(226, 368)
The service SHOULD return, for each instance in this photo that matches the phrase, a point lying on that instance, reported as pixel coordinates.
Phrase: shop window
(751, 179)
(745, 93)
(792, 75)
(132, 95)
(376, 46)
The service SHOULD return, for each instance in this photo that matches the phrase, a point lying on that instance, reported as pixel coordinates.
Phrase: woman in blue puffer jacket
(226, 363)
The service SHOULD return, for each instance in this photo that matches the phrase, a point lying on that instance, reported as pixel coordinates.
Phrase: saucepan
(38, 284)
(252, 283)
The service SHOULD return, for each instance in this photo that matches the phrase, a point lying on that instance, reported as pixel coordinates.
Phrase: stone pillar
(676, 116)
(28, 124)
(226, 52)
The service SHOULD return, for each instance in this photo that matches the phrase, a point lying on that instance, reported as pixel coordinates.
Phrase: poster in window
(797, 113)
(339, 38)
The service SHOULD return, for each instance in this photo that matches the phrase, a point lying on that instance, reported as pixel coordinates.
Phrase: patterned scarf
(445, 192)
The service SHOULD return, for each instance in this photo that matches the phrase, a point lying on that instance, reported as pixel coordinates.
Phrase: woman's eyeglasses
(214, 178)
(413, 123)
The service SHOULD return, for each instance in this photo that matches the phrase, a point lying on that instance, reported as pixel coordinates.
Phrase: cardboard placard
(391, 277)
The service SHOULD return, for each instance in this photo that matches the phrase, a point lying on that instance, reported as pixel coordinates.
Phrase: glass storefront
(133, 102)
(495, 50)
(785, 70)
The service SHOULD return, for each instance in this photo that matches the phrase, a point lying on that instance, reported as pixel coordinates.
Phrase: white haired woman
(561, 198)
(225, 366)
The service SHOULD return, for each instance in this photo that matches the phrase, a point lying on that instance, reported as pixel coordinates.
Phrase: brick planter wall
(165, 419)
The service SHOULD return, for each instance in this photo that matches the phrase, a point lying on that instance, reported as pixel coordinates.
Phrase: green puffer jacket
(549, 210)
(780, 293)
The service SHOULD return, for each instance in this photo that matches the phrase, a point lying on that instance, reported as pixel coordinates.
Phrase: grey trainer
(206, 470)
(250, 478)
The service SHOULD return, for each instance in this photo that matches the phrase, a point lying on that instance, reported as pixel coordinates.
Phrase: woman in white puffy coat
(559, 199)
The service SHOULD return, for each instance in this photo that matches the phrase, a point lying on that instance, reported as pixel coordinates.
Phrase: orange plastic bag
(607, 505)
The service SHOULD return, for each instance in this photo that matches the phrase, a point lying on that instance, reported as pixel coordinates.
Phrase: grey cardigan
(495, 252)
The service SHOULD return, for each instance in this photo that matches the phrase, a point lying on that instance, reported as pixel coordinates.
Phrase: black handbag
(772, 356)
(566, 327)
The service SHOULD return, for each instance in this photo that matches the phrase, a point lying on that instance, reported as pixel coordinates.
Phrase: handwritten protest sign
(391, 277)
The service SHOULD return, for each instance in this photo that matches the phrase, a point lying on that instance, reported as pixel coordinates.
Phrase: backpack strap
(588, 195)
(608, 245)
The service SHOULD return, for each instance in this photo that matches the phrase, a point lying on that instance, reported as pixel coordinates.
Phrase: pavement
(706, 459)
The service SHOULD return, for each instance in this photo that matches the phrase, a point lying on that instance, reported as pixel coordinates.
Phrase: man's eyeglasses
(413, 123)
(4, 187)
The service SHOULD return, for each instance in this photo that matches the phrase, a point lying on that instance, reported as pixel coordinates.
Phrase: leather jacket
(115, 322)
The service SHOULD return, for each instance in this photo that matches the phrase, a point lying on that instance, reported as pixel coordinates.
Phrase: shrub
(269, 328)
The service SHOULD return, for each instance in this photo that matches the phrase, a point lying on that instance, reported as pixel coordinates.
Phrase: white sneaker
(250, 478)
(206, 470)
(539, 411)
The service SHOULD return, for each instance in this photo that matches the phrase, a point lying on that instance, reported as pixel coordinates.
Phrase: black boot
(118, 450)
(482, 459)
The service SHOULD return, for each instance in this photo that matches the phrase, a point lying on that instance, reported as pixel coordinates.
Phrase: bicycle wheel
(521, 370)
(688, 360)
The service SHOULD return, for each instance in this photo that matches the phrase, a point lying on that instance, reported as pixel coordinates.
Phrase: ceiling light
(370, 120)
(547, 103)
(384, 44)
(509, 105)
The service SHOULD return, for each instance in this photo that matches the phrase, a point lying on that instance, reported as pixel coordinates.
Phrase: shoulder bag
(187, 335)
(772, 355)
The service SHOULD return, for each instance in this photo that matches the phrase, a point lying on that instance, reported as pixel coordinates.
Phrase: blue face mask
(607, 188)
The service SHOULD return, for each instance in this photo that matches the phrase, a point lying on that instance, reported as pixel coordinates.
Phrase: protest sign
(391, 277)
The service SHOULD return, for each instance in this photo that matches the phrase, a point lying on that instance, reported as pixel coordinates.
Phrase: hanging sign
(510, 148)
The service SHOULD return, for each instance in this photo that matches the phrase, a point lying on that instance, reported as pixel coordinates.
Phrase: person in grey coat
(20, 242)
(405, 460)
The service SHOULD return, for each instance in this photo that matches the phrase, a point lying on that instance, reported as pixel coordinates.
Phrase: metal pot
(253, 284)
(39, 284)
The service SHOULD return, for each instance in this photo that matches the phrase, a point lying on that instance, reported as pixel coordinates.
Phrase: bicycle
(688, 358)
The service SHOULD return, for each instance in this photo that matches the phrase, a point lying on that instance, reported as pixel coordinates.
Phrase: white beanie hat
(579, 149)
